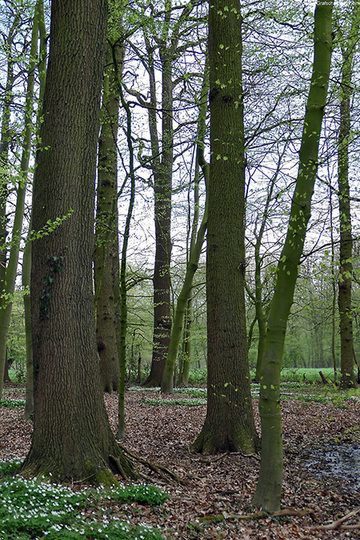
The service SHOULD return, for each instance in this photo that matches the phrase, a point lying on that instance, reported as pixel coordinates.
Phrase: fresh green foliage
(198, 376)
(194, 392)
(306, 374)
(186, 402)
(12, 403)
(9, 467)
(35, 509)
(30, 507)
(140, 493)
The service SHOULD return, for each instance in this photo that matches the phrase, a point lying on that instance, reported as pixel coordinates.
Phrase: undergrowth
(35, 509)
(12, 403)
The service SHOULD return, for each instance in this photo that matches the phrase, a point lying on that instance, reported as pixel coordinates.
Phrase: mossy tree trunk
(348, 47)
(106, 255)
(72, 438)
(4, 173)
(11, 270)
(229, 423)
(186, 349)
(26, 268)
(268, 491)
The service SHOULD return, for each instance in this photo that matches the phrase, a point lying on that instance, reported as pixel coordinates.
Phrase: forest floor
(223, 485)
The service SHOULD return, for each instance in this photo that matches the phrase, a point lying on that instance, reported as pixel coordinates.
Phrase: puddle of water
(341, 461)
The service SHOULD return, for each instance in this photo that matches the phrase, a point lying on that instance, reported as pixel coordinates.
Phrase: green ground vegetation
(46, 510)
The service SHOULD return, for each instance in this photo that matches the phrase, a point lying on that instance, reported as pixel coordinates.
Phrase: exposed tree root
(338, 524)
(208, 458)
(163, 472)
(259, 515)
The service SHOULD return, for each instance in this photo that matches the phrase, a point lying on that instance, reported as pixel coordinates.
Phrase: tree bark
(106, 255)
(348, 379)
(229, 423)
(4, 157)
(72, 438)
(162, 169)
(268, 491)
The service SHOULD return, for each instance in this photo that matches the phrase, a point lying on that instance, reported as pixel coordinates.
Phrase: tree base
(90, 471)
(210, 442)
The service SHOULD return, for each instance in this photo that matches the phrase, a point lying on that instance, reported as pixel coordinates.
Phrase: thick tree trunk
(229, 423)
(72, 438)
(268, 491)
(348, 379)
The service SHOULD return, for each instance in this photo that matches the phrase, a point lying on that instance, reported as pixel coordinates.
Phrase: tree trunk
(106, 255)
(268, 491)
(186, 346)
(348, 379)
(11, 269)
(123, 267)
(72, 438)
(197, 240)
(26, 268)
(162, 189)
(229, 423)
(4, 178)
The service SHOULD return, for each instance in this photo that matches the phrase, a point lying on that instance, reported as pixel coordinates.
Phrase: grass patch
(193, 392)
(185, 402)
(35, 509)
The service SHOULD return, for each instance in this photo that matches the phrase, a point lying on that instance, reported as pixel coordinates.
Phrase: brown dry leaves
(224, 485)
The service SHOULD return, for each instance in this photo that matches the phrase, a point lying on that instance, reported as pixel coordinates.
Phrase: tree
(268, 491)
(229, 423)
(106, 255)
(72, 438)
(183, 304)
(5, 140)
(346, 266)
(12, 264)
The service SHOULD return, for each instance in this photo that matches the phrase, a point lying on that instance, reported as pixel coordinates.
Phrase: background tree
(11, 269)
(197, 239)
(348, 46)
(106, 255)
(268, 491)
(72, 438)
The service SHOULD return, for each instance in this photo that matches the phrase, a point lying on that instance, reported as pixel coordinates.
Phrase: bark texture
(72, 438)
(346, 241)
(162, 169)
(106, 257)
(268, 491)
(229, 423)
